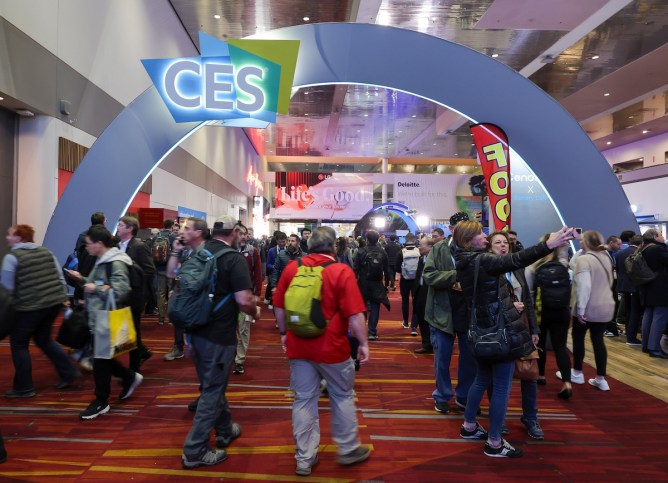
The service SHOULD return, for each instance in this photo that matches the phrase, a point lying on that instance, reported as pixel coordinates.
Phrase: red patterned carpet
(615, 436)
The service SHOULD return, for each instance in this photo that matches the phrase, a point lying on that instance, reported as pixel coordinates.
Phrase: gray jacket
(119, 281)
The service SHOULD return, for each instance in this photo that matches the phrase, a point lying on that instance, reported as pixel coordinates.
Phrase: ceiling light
(494, 56)
(366, 115)
(609, 143)
(413, 115)
(645, 131)
(25, 113)
(306, 114)
(606, 94)
(217, 17)
(359, 130)
(2, 98)
(594, 57)
(630, 117)
(306, 19)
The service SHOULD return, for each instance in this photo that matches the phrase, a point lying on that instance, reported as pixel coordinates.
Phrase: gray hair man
(325, 356)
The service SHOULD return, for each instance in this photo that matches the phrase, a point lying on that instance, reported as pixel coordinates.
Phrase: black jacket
(392, 249)
(372, 290)
(654, 294)
(624, 283)
(492, 295)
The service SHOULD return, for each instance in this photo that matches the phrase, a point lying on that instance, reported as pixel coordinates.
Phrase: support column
(384, 187)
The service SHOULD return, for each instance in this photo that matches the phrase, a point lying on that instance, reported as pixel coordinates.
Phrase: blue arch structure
(400, 209)
(574, 173)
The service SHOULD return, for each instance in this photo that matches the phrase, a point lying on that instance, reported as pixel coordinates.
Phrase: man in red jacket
(325, 357)
(252, 256)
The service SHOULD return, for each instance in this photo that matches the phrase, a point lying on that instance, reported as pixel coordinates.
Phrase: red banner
(492, 147)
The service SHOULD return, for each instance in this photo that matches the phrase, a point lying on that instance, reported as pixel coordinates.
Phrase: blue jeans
(654, 323)
(37, 324)
(443, 344)
(213, 363)
(500, 374)
(374, 315)
(529, 400)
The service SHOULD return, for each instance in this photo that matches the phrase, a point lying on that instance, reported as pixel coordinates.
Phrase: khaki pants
(243, 337)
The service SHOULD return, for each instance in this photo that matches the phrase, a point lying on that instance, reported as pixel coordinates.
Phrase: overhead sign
(241, 83)
(492, 145)
(429, 195)
(184, 212)
(322, 196)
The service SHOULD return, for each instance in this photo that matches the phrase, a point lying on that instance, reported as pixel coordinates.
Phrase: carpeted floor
(596, 436)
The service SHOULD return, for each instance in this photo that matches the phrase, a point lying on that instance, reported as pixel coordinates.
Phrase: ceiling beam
(592, 22)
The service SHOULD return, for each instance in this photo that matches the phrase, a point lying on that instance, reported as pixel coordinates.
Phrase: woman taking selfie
(491, 302)
(499, 244)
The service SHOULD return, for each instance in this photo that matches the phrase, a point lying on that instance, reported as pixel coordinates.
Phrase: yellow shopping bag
(114, 330)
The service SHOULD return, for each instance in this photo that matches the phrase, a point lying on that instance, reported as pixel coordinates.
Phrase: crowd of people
(448, 287)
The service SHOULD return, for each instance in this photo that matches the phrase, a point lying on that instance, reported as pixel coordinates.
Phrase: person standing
(325, 357)
(420, 290)
(499, 244)
(393, 248)
(214, 345)
(163, 283)
(111, 272)
(407, 261)
(629, 310)
(550, 285)
(446, 314)
(489, 303)
(303, 243)
(126, 230)
(653, 294)
(32, 275)
(593, 306)
(252, 257)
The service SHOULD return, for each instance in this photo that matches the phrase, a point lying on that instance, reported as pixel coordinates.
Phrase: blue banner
(190, 213)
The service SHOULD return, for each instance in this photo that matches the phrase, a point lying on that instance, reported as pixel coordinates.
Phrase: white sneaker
(270, 307)
(602, 384)
(575, 378)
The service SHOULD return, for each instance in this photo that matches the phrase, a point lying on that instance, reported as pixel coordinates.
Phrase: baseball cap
(457, 217)
(225, 222)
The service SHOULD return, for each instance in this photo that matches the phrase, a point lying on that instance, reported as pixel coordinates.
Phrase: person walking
(326, 356)
(32, 275)
(214, 344)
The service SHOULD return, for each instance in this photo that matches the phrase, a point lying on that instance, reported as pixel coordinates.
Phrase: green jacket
(439, 275)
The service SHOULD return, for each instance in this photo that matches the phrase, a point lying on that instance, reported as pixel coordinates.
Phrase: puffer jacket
(492, 294)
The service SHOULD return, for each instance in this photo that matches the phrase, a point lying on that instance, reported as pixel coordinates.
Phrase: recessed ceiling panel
(538, 14)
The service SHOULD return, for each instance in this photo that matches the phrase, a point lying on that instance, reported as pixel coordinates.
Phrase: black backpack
(555, 285)
(638, 270)
(135, 299)
(373, 260)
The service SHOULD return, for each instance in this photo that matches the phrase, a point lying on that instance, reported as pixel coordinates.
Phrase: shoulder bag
(491, 344)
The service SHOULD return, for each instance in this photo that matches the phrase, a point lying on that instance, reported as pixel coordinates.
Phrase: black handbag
(74, 331)
(492, 343)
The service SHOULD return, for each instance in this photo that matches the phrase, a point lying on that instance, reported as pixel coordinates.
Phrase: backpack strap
(223, 251)
(473, 322)
(607, 275)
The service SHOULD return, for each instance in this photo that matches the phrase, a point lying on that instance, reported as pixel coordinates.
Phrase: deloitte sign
(242, 83)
